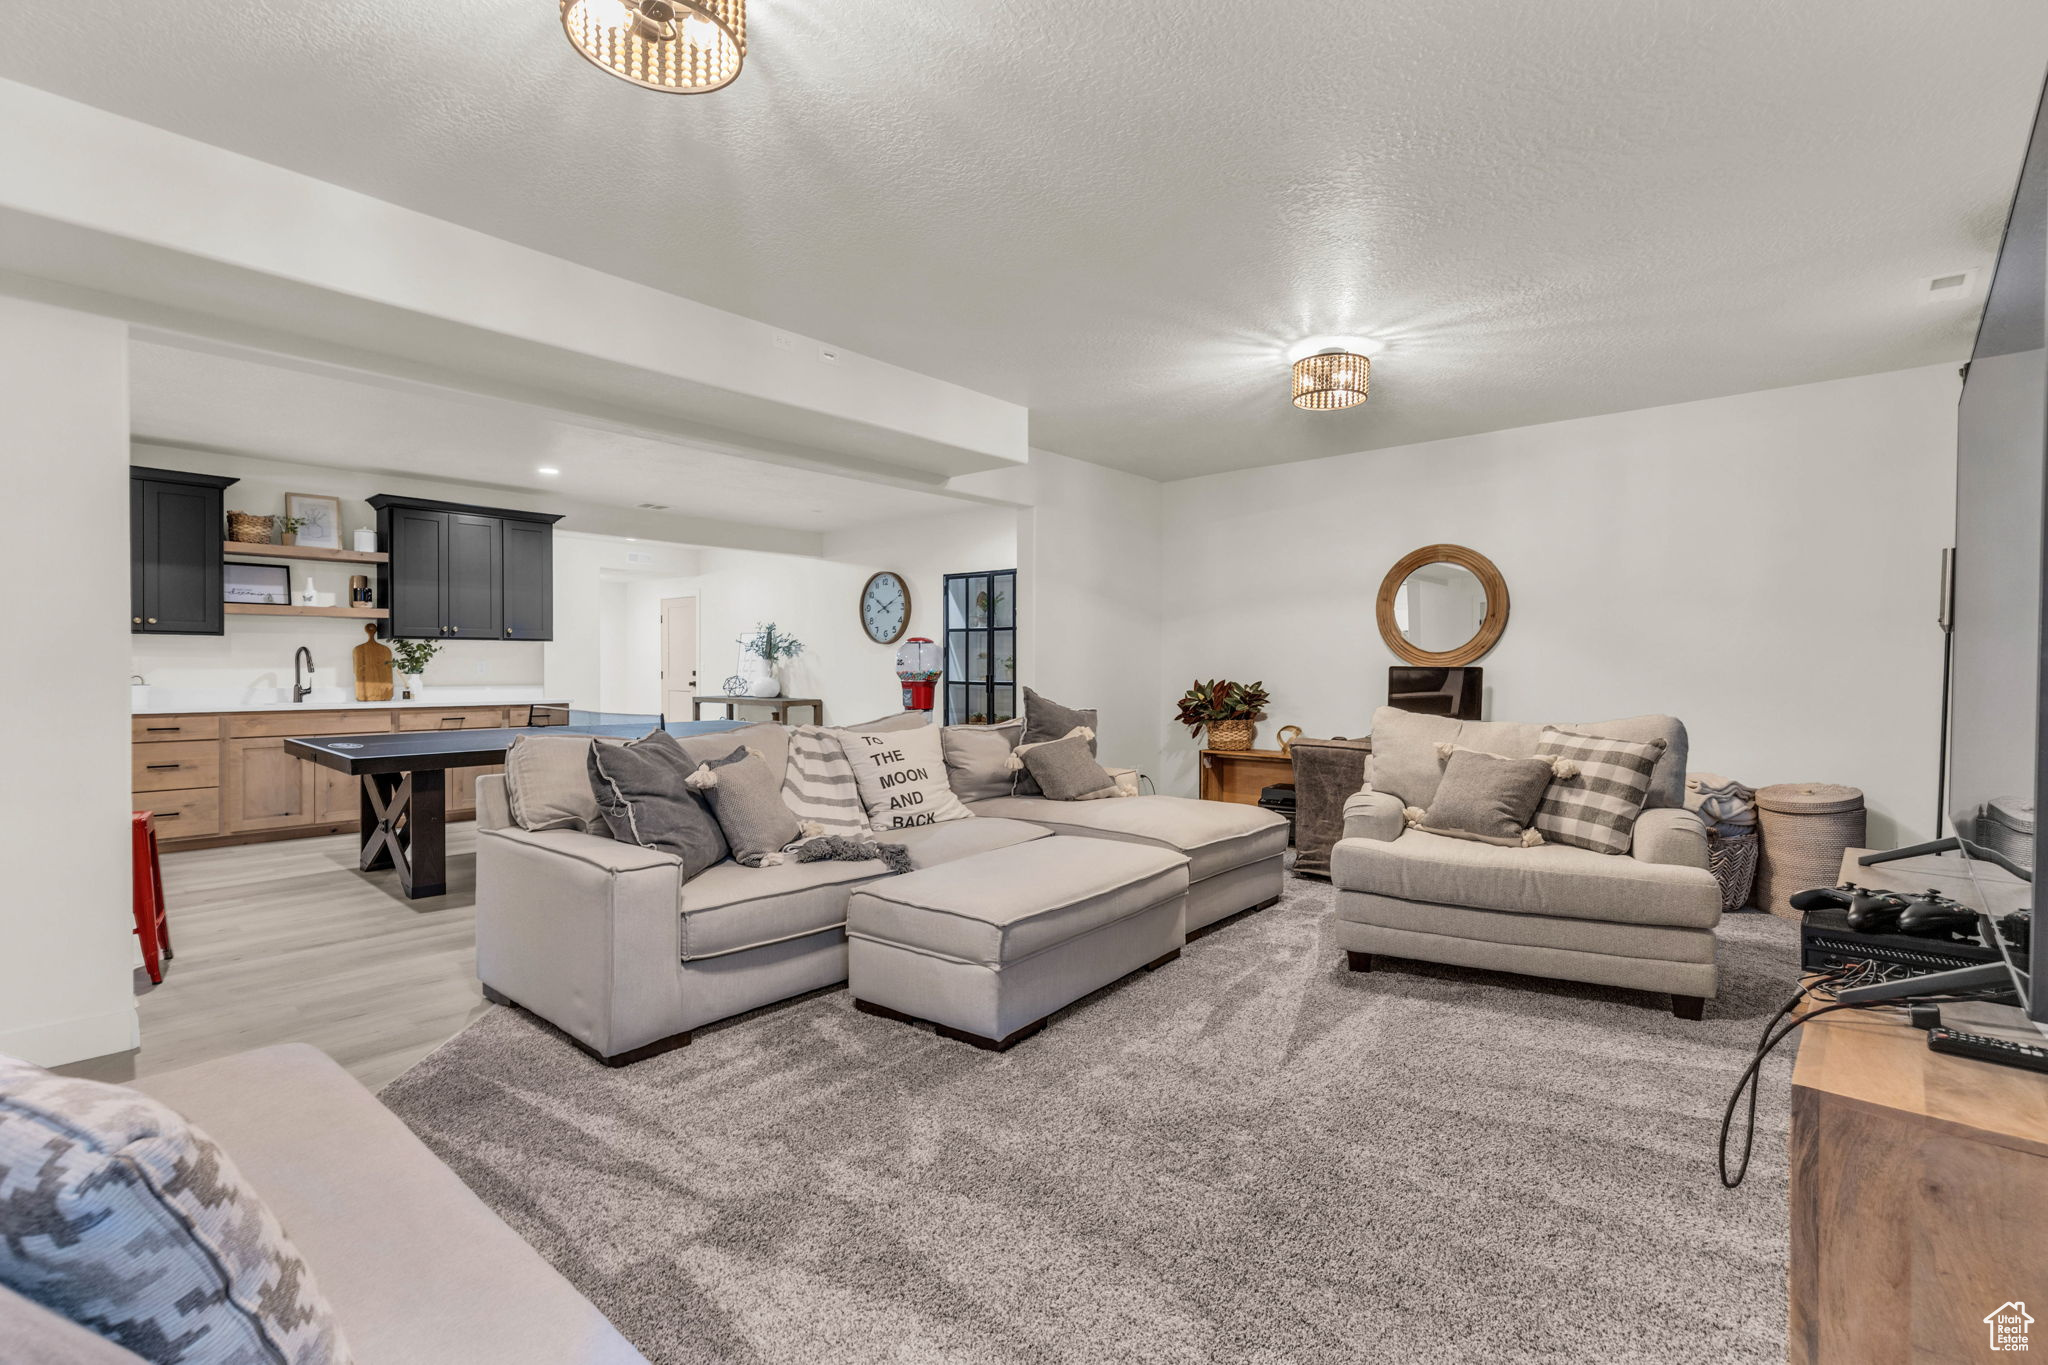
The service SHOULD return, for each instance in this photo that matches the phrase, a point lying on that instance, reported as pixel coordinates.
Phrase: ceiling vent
(1949, 288)
(654, 507)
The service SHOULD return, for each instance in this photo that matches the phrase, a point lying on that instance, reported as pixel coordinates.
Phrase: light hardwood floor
(289, 943)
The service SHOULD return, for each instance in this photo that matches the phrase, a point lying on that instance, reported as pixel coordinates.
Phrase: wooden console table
(1919, 1181)
(1238, 774)
(778, 707)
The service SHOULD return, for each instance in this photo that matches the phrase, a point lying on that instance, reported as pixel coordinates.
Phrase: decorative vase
(764, 684)
(1230, 735)
(414, 685)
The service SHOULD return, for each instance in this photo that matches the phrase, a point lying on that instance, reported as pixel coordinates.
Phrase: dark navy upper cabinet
(465, 573)
(175, 530)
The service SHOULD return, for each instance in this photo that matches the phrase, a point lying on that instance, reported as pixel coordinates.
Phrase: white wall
(1089, 601)
(1763, 567)
(815, 599)
(66, 944)
(583, 663)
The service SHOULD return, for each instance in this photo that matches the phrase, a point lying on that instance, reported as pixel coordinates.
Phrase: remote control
(1985, 1049)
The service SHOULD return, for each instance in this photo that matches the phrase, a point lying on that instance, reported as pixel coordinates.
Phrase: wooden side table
(778, 707)
(1239, 774)
(1919, 1180)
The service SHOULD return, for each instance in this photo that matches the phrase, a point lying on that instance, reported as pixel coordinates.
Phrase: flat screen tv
(1995, 763)
(1453, 692)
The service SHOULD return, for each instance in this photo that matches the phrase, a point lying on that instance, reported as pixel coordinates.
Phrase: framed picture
(322, 515)
(267, 584)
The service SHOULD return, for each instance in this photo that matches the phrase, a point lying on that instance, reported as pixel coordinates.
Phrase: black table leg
(425, 870)
(405, 827)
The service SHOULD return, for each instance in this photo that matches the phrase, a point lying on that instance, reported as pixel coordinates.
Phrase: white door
(678, 656)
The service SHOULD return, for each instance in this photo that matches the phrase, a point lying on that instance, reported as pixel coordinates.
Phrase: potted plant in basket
(412, 658)
(773, 647)
(1227, 708)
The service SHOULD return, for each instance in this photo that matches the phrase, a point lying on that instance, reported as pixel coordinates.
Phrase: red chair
(152, 925)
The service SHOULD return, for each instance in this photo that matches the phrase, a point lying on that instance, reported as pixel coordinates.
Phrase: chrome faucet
(302, 690)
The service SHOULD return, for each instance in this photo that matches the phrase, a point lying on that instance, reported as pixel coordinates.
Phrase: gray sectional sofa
(1644, 919)
(607, 942)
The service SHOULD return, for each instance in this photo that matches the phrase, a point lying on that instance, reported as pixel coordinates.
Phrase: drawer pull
(168, 814)
(161, 767)
(163, 729)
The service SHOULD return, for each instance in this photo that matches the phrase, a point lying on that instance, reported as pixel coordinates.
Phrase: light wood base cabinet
(227, 778)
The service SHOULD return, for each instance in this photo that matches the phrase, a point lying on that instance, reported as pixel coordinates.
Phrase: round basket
(1732, 860)
(1230, 735)
(246, 528)
(1806, 826)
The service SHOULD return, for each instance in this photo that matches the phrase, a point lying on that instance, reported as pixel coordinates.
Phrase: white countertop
(169, 701)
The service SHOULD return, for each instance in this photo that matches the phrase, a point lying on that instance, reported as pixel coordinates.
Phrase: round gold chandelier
(683, 47)
(1331, 379)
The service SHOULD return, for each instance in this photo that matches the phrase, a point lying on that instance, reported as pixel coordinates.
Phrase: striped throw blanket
(818, 785)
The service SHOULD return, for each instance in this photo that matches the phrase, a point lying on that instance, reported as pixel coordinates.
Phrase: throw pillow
(818, 786)
(1046, 720)
(746, 796)
(902, 778)
(978, 764)
(547, 783)
(1486, 798)
(902, 720)
(1066, 771)
(118, 1214)
(643, 798)
(1597, 807)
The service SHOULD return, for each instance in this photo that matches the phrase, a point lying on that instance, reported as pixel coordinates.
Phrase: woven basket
(1732, 860)
(246, 528)
(1806, 827)
(1230, 735)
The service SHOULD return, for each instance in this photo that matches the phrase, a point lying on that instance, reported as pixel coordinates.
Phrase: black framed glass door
(981, 647)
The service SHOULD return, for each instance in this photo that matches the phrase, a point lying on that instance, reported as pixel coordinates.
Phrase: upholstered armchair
(1644, 919)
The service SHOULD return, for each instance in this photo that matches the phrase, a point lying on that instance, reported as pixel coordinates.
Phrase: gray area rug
(1249, 1155)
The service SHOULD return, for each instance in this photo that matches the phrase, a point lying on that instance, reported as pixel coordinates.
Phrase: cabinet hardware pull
(138, 621)
(456, 629)
(152, 620)
(168, 814)
(161, 729)
(160, 767)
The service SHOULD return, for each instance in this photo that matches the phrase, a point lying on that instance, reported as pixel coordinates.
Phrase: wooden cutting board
(373, 669)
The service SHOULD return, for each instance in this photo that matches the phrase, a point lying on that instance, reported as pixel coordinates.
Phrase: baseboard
(74, 1040)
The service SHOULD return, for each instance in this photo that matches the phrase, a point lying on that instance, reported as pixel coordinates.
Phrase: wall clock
(885, 608)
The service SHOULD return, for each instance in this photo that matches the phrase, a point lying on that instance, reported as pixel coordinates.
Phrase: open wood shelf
(268, 609)
(243, 549)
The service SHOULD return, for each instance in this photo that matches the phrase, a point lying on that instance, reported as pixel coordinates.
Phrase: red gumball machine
(918, 665)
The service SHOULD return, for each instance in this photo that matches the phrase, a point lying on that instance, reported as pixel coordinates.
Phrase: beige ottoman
(988, 946)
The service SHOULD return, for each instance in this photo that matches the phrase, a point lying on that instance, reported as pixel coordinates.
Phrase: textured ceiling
(310, 415)
(1122, 213)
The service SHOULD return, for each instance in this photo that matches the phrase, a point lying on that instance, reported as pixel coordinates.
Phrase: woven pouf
(1806, 826)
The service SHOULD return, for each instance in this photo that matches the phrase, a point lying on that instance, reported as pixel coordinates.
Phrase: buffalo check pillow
(1597, 807)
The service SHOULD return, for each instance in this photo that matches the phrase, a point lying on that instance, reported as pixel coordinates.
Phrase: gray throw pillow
(644, 799)
(122, 1216)
(1596, 806)
(1486, 798)
(978, 758)
(1066, 771)
(547, 783)
(746, 796)
(1046, 720)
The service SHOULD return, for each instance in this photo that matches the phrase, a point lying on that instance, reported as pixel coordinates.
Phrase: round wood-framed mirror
(1443, 605)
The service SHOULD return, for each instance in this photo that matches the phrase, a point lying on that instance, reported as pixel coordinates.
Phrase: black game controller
(1928, 914)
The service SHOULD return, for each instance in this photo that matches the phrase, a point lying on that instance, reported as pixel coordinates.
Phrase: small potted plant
(773, 647)
(412, 658)
(1227, 708)
(288, 529)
